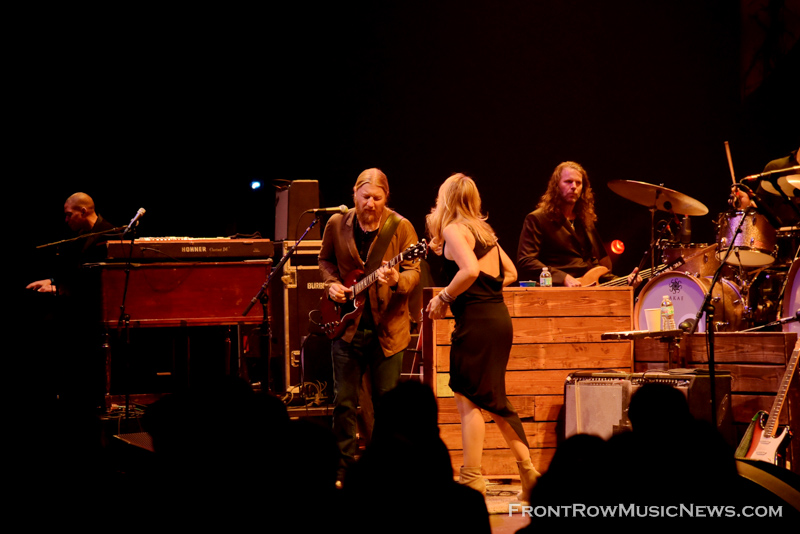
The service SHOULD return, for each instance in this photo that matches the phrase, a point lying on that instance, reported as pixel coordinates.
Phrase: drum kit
(757, 287)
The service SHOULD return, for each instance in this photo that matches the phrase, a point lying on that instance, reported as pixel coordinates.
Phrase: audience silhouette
(404, 479)
(669, 458)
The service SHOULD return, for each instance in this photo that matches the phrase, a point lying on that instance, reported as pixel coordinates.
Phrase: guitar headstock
(418, 250)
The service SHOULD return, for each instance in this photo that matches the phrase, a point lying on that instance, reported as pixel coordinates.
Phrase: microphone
(339, 209)
(134, 221)
(754, 177)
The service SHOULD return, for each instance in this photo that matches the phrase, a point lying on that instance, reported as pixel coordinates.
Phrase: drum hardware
(707, 308)
(789, 299)
(657, 197)
(761, 206)
(779, 322)
(782, 182)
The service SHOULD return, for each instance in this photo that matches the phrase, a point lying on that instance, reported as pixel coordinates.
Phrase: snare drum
(700, 259)
(687, 293)
(755, 246)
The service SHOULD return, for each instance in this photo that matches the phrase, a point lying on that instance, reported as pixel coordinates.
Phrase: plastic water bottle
(667, 314)
(546, 279)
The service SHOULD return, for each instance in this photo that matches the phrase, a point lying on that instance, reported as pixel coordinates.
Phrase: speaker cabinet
(291, 204)
(291, 305)
(597, 403)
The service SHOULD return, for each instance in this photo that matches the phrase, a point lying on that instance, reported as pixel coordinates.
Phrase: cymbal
(789, 184)
(658, 197)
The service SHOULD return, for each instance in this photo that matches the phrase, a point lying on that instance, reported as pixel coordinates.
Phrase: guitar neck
(772, 420)
(647, 273)
(622, 281)
(363, 284)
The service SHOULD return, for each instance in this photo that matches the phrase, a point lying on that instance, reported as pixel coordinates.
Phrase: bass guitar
(761, 441)
(336, 316)
(593, 275)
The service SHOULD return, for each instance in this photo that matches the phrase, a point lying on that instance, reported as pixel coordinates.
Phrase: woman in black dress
(477, 269)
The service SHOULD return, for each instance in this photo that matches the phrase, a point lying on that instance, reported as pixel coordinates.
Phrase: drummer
(784, 211)
(561, 235)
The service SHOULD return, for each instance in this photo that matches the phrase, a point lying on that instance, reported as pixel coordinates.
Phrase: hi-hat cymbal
(658, 197)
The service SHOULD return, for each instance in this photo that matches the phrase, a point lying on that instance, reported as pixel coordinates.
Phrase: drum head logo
(675, 285)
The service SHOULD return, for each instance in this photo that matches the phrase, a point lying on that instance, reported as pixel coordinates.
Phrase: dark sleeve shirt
(556, 244)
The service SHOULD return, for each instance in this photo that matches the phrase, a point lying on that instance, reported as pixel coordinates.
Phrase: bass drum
(687, 294)
(790, 301)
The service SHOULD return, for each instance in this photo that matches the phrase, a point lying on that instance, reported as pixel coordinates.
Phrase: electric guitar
(760, 441)
(338, 316)
(593, 275)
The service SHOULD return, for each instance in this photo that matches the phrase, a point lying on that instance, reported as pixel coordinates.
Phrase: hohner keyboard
(189, 248)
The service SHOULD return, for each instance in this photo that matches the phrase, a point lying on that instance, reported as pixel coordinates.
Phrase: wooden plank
(550, 329)
(732, 347)
(652, 350)
(605, 355)
(536, 382)
(549, 407)
(571, 302)
(751, 378)
(746, 406)
(547, 382)
(729, 347)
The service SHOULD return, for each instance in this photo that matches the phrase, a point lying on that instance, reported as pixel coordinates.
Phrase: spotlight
(617, 246)
(255, 184)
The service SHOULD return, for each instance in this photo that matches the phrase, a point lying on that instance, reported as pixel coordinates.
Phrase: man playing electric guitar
(561, 233)
(364, 239)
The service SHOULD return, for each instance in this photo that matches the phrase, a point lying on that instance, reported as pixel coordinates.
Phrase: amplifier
(597, 402)
(291, 307)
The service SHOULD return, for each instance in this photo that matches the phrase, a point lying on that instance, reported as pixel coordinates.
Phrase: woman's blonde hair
(458, 202)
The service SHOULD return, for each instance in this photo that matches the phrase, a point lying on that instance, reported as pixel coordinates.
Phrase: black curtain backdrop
(176, 111)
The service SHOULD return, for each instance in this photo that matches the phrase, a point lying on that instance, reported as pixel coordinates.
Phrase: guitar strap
(382, 243)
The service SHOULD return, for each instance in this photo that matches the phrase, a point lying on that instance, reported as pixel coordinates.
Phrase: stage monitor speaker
(290, 308)
(291, 204)
(597, 402)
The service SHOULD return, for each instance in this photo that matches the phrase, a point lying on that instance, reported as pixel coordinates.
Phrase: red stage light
(617, 246)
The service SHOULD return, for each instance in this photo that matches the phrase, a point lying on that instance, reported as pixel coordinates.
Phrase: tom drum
(754, 246)
(700, 259)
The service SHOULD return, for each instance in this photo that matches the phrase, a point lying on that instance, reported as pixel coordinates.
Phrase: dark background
(177, 111)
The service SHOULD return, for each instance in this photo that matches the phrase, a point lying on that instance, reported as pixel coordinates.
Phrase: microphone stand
(774, 181)
(124, 323)
(82, 236)
(708, 309)
(263, 297)
(779, 322)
